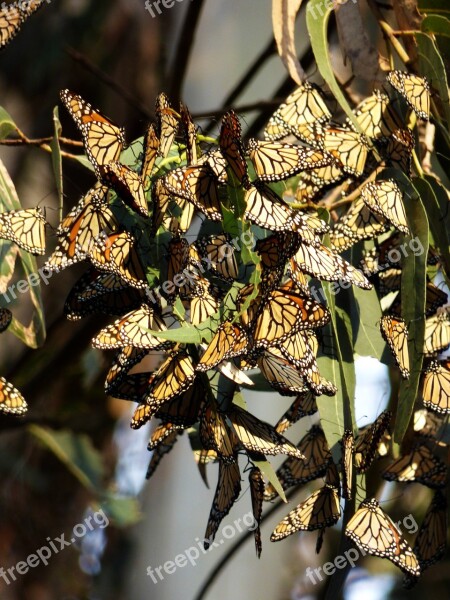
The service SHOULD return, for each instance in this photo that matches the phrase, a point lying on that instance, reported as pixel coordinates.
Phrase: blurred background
(118, 57)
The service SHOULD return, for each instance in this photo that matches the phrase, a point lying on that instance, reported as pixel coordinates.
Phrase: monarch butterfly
(415, 90)
(314, 181)
(390, 281)
(117, 254)
(256, 492)
(258, 436)
(304, 405)
(167, 124)
(436, 387)
(348, 447)
(274, 251)
(230, 144)
(322, 263)
(395, 334)
(428, 424)
(386, 198)
(420, 466)
(184, 411)
(280, 374)
(5, 319)
(217, 162)
(87, 223)
(274, 161)
(197, 185)
(174, 377)
(434, 299)
(217, 435)
(227, 491)
(431, 539)
(182, 270)
(298, 281)
(230, 340)
(128, 186)
(305, 106)
(119, 383)
(383, 256)
(161, 199)
(359, 223)
(376, 116)
(317, 460)
(113, 303)
(203, 303)
(160, 451)
(347, 147)
(137, 329)
(103, 140)
(220, 255)
(399, 149)
(26, 228)
(101, 293)
(368, 440)
(265, 208)
(190, 135)
(161, 433)
(11, 400)
(298, 351)
(129, 387)
(373, 531)
(282, 315)
(437, 333)
(13, 15)
(150, 149)
(321, 509)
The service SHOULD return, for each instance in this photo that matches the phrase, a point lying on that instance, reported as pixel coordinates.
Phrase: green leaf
(434, 6)
(269, 473)
(34, 334)
(75, 451)
(436, 24)
(432, 66)
(56, 159)
(196, 334)
(337, 413)
(7, 124)
(414, 277)
(317, 18)
(230, 222)
(367, 313)
(435, 201)
(8, 255)
(123, 511)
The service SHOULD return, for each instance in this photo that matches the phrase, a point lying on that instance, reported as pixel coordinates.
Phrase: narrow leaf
(284, 13)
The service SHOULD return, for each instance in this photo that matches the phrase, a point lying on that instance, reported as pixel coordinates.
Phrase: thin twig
(253, 106)
(22, 141)
(184, 49)
(246, 78)
(109, 81)
(388, 31)
(235, 547)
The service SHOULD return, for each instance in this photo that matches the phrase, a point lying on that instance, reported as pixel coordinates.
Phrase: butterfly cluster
(207, 268)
